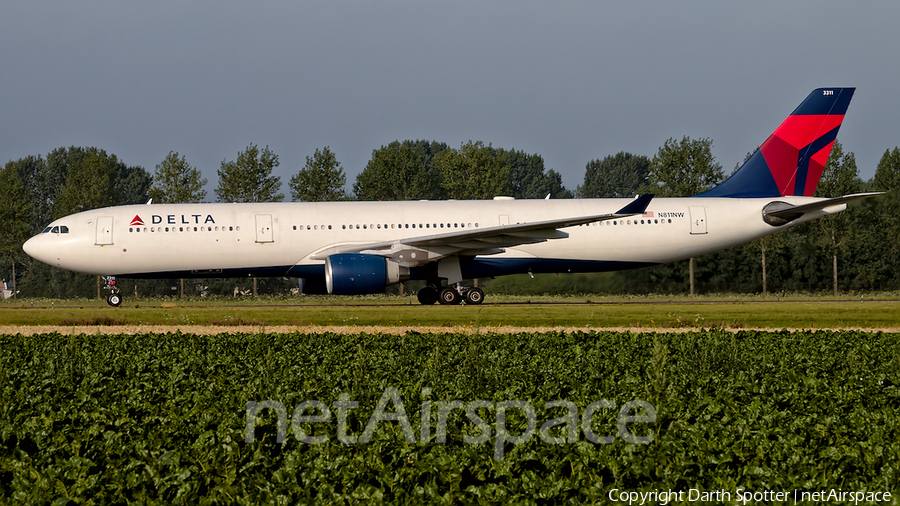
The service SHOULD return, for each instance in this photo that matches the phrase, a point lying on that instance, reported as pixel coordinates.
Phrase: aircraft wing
(414, 251)
(787, 212)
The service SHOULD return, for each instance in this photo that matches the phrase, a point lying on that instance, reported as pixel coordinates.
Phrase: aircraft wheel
(114, 300)
(474, 296)
(449, 296)
(427, 296)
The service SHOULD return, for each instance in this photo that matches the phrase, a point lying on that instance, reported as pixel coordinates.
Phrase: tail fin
(791, 160)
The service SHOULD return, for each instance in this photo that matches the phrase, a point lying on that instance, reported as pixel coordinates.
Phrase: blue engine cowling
(358, 274)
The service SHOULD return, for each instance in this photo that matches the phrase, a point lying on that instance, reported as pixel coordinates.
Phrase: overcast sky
(571, 81)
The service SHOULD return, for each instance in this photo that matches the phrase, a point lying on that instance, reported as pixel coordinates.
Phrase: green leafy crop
(160, 419)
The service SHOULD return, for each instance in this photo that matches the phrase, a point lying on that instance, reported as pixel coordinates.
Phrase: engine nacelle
(358, 274)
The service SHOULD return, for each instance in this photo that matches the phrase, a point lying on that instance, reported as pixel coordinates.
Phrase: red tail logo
(791, 160)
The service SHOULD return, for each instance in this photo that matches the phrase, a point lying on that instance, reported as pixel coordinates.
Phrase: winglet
(636, 206)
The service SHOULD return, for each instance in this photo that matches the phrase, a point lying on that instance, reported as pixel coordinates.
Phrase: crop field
(284, 403)
(539, 417)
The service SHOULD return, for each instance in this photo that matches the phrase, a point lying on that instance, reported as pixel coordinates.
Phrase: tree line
(855, 250)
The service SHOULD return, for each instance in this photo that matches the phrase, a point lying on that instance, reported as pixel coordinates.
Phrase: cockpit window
(55, 230)
(63, 229)
(46, 230)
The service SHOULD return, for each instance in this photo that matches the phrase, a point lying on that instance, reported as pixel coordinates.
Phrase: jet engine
(357, 274)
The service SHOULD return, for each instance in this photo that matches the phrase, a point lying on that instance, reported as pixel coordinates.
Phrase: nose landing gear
(115, 298)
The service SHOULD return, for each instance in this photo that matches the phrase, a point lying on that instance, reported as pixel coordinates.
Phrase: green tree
(15, 216)
(887, 174)
(132, 184)
(839, 177)
(683, 168)
(473, 172)
(883, 249)
(249, 178)
(40, 190)
(72, 180)
(401, 171)
(527, 178)
(616, 176)
(321, 180)
(177, 181)
(93, 179)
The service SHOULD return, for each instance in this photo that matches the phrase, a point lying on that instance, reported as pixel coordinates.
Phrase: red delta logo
(137, 220)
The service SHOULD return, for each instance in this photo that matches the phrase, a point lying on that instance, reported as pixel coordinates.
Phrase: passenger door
(264, 228)
(698, 220)
(104, 231)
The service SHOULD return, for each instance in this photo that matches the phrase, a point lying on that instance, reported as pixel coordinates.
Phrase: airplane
(352, 248)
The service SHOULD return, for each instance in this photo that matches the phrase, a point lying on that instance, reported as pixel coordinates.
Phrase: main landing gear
(450, 295)
(115, 298)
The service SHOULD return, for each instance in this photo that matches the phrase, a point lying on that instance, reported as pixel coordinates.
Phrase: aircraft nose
(33, 248)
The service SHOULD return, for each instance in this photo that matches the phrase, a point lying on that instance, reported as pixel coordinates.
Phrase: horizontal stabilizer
(779, 213)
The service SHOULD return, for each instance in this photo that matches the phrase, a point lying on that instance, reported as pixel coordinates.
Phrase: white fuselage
(281, 239)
